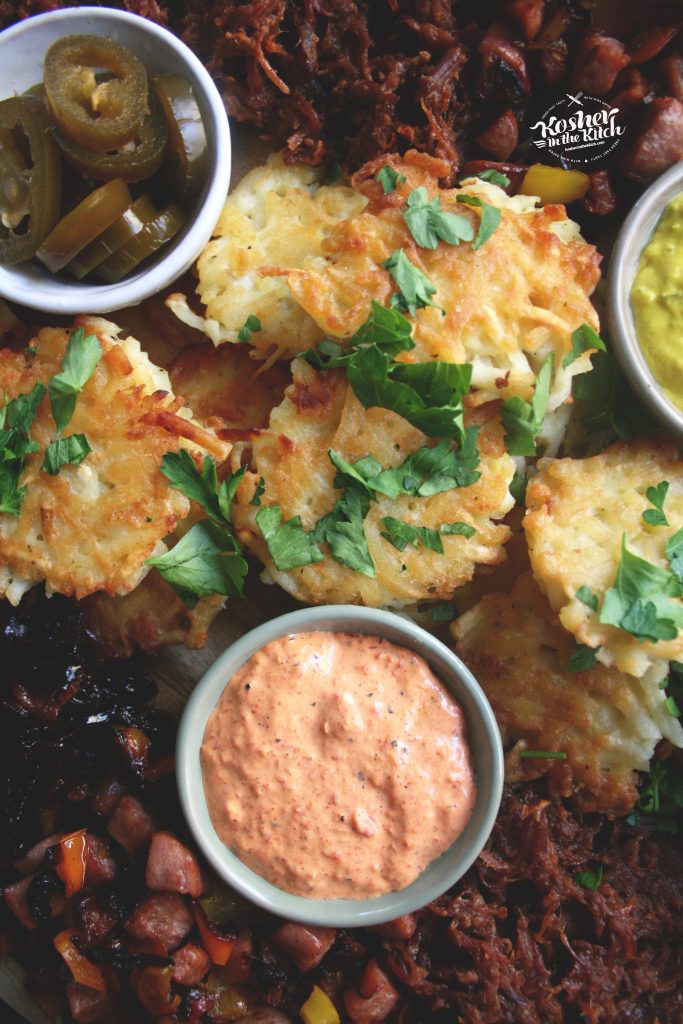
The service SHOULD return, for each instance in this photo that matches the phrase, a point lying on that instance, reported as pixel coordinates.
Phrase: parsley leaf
(387, 329)
(260, 488)
(16, 417)
(343, 530)
(489, 220)
(458, 529)
(64, 451)
(518, 486)
(662, 795)
(203, 562)
(83, 353)
(494, 176)
(611, 405)
(401, 534)
(640, 601)
(582, 658)
(289, 545)
(543, 755)
(428, 223)
(584, 339)
(674, 552)
(389, 179)
(589, 879)
(182, 474)
(444, 611)
(523, 420)
(333, 174)
(415, 290)
(250, 326)
(586, 595)
(656, 496)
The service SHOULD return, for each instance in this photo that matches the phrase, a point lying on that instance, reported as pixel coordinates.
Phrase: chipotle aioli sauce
(336, 765)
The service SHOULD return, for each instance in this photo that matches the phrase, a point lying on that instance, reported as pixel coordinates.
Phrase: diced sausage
(36, 856)
(554, 58)
(649, 43)
(171, 867)
(500, 138)
(190, 964)
(672, 70)
(374, 998)
(600, 199)
(659, 143)
(16, 898)
(633, 88)
(100, 866)
(107, 796)
(529, 16)
(96, 921)
(131, 825)
(86, 1004)
(164, 917)
(597, 62)
(496, 49)
(238, 967)
(306, 945)
(400, 929)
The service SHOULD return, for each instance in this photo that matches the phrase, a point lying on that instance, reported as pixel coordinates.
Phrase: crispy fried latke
(277, 216)
(320, 412)
(605, 721)
(578, 512)
(92, 526)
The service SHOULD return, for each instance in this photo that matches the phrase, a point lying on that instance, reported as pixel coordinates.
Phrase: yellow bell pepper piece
(319, 1009)
(554, 184)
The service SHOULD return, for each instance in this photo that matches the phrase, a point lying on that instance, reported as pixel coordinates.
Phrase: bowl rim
(633, 236)
(69, 299)
(440, 874)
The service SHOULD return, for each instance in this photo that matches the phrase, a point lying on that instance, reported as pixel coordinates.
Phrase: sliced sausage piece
(36, 856)
(649, 43)
(16, 898)
(190, 964)
(238, 967)
(374, 998)
(107, 796)
(171, 867)
(529, 16)
(597, 62)
(659, 144)
(600, 199)
(96, 921)
(500, 138)
(400, 929)
(496, 49)
(100, 866)
(672, 70)
(131, 825)
(85, 1004)
(164, 917)
(306, 945)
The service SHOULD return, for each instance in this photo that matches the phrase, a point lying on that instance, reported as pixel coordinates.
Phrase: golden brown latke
(320, 412)
(578, 512)
(605, 721)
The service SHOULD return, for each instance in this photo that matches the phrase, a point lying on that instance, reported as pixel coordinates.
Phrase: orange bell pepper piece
(71, 864)
(218, 947)
(84, 971)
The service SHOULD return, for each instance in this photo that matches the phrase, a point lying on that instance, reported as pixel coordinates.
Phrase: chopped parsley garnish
(16, 417)
(584, 339)
(205, 561)
(543, 755)
(428, 395)
(661, 796)
(401, 534)
(415, 290)
(64, 451)
(656, 496)
(611, 405)
(586, 595)
(589, 879)
(518, 486)
(428, 222)
(444, 611)
(83, 353)
(458, 529)
(343, 531)
(523, 420)
(333, 174)
(489, 219)
(260, 488)
(492, 175)
(389, 179)
(289, 545)
(674, 552)
(583, 658)
(640, 602)
(250, 326)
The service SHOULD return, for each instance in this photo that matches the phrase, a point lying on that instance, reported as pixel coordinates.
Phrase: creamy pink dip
(337, 765)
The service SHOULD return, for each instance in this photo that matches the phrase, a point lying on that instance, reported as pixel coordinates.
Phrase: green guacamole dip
(657, 301)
